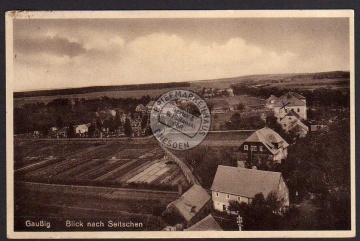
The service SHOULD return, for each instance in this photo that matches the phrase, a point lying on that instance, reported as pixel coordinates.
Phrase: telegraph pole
(239, 221)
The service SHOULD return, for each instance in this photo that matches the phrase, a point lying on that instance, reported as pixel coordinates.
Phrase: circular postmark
(180, 119)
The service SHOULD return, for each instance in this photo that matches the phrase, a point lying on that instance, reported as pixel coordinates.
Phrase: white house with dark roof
(241, 184)
(265, 142)
(192, 206)
(290, 101)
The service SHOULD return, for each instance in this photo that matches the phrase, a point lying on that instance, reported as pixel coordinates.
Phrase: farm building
(290, 101)
(206, 224)
(241, 184)
(191, 207)
(81, 129)
(219, 106)
(267, 143)
(63, 132)
(54, 128)
(271, 101)
(229, 92)
(105, 114)
(317, 127)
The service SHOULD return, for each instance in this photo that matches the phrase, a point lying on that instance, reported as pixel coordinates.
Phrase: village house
(206, 224)
(63, 132)
(265, 143)
(241, 185)
(105, 114)
(219, 106)
(290, 101)
(140, 108)
(229, 92)
(54, 128)
(191, 207)
(271, 101)
(81, 129)
(292, 121)
(317, 127)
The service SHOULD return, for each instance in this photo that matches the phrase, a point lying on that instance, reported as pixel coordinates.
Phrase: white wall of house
(81, 129)
(221, 200)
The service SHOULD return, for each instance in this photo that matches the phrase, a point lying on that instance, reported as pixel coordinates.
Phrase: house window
(261, 148)
(298, 109)
(254, 148)
(217, 194)
(227, 196)
(246, 147)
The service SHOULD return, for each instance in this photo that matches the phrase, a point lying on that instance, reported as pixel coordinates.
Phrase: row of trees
(63, 112)
(317, 97)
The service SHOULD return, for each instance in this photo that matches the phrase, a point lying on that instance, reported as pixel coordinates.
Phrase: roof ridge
(248, 169)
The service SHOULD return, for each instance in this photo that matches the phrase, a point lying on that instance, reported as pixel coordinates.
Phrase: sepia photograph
(174, 124)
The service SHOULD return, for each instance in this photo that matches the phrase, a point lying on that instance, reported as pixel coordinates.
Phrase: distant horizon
(190, 81)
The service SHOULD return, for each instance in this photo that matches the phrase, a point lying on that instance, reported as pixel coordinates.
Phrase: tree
(144, 121)
(320, 164)
(127, 127)
(261, 214)
(59, 122)
(117, 120)
(240, 107)
(91, 130)
(71, 131)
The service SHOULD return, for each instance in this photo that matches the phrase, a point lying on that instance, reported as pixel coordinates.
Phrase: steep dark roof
(245, 182)
(191, 202)
(290, 99)
(293, 113)
(207, 223)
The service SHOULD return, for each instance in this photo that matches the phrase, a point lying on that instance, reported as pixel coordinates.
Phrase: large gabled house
(191, 207)
(241, 185)
(290, 101)
(267, 143)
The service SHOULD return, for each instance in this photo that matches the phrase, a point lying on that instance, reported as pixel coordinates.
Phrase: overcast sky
(50, 54)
